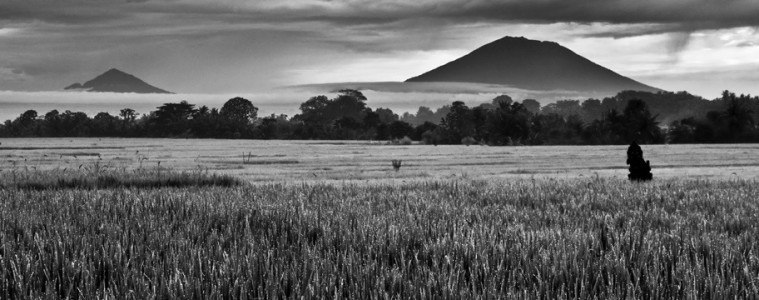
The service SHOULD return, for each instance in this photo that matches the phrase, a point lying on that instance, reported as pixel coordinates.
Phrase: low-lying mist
(400, 97)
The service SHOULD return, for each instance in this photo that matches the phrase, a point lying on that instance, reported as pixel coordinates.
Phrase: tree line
(629, 116)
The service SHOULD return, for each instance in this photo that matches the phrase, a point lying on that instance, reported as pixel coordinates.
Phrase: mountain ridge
(531, 64)
(117, 81)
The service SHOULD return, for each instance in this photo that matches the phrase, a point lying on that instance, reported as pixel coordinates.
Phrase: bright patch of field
(340, 161)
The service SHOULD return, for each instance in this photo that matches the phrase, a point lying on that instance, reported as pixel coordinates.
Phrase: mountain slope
(117, 81)
(530, 64)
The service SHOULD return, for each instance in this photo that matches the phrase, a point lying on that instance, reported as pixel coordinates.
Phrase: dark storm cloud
(377, 24)
(717, 13)
(373, 25)
(62, 12)
(694, 14)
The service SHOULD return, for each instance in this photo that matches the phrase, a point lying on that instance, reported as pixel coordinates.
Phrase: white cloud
(10, 74)
(5, 32)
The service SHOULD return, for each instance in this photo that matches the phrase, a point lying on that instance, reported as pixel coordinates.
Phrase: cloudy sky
(228, 46)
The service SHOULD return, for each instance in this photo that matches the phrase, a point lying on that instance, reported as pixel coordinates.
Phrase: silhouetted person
(640, 170)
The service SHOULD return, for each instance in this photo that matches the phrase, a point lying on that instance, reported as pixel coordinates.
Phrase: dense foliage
(548, 239)
(629, 116)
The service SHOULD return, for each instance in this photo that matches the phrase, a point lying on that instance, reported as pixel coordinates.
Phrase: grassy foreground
(590, 238)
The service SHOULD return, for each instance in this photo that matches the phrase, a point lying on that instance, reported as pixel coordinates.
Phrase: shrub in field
(431, 137)
(468, 141)
(397, 164)
(404, 141)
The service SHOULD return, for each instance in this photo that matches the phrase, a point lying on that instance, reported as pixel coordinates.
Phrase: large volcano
(534, 65)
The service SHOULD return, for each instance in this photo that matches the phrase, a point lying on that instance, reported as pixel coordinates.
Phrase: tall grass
(94, 177)
(455, 239)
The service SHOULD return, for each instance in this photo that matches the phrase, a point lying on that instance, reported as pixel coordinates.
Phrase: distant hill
(534, 65)
(116, 81)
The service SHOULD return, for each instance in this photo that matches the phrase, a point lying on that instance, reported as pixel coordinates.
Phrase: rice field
(340, 161)
(178, 219)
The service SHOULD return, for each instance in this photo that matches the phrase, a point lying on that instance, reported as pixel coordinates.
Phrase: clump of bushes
(468, 141)
(404, 141)
(114, 179)
(432, 137)
(397, 164)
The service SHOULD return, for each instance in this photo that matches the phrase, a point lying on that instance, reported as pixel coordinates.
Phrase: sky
(246, 46)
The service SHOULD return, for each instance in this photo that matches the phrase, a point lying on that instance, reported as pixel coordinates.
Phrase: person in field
(640, 169)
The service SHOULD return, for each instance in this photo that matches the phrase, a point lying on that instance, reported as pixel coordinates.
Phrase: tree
(683, 131)
(274, 127)
(172, 119)
(26, 124)
(508, 124)
(641, 125)
(174, 112)
(340, 117)
(27, 117)
(532, 105)
(479, 117)
(421, 129)
(386, 115)
(611, 129)
(458, 123)
(53, 123)
(128, 115)
(355, 94)
(348, 104)
(313, 111)
(372, 119)
(239, 110)
(104, 124)
(564, 108)
(400, 129)
(237, 115)
(737, 115)
(202, 111)
(423, 114)
(592, 110)
(75, 123)
(501, 100)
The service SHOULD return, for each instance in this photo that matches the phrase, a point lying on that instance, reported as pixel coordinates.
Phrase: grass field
(339, 161)
(455, 222)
